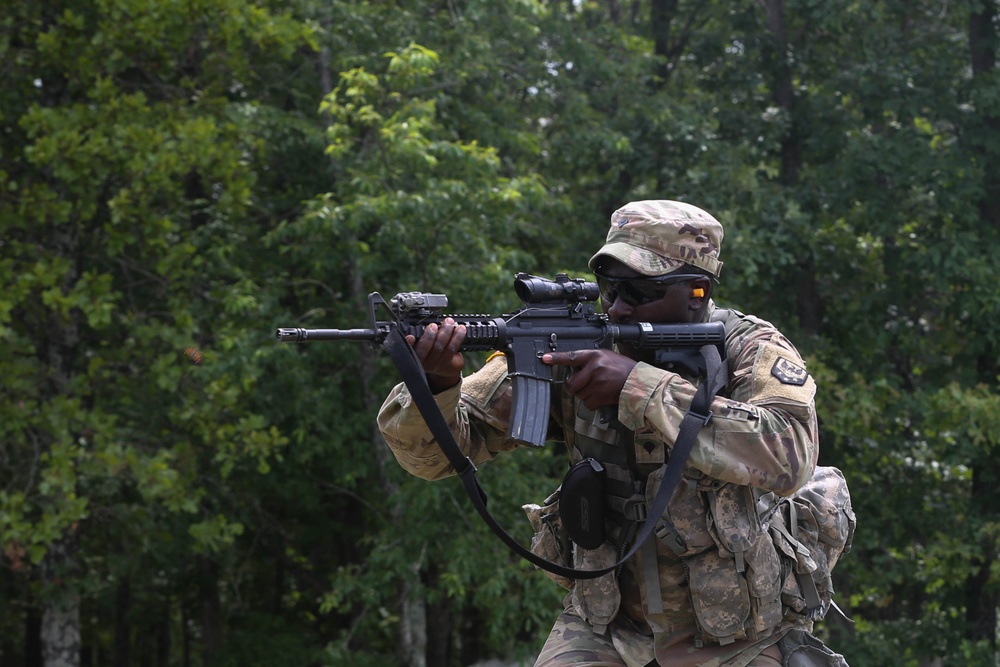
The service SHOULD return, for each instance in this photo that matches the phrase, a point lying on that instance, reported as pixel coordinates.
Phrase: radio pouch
(581, 503)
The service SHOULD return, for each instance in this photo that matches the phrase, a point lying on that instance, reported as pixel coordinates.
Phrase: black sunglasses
(639, 291)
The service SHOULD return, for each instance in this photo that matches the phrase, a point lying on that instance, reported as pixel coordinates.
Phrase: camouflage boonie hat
(657, 237)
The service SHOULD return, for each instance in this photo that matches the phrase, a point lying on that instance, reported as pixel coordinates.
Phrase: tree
(125, 186)
(178, 179)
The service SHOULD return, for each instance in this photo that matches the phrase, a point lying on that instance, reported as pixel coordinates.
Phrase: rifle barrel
(297, 335)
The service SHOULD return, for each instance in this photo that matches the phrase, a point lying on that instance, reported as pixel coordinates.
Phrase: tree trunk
(163, 638)
(981, 592)
(614, 12)
(808, 302)
(661, 15)
(412, 635)
(440, 627)
(60, 629)
(413, 629)
(809, 306)
(982, 52)
(783, 90)
(123, 630)
(33, 639)
(981, 596)
(185, 638)
(211, 608)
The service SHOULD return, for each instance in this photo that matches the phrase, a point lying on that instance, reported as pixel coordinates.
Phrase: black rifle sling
(698, 415)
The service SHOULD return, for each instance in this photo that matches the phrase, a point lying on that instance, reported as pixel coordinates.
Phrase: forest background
(180, 177)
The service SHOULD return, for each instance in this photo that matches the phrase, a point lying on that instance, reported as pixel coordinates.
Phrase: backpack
(813, 528)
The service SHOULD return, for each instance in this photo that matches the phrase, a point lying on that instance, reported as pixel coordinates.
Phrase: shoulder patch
(789, 372)
(779, 376)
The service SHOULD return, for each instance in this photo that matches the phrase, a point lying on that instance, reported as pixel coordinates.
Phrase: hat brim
(640, 260)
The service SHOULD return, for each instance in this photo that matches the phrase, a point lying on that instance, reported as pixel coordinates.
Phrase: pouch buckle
(635, 508)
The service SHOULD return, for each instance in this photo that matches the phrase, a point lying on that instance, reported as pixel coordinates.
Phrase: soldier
(711, 588)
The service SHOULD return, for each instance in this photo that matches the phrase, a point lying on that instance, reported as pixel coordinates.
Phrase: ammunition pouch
(550, 540)
(595, 600)
(770, 563)
(736, 581)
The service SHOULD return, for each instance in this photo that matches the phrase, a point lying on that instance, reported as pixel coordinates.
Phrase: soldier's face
(627, 296)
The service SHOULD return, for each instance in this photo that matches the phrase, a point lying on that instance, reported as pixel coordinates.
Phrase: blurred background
(180, 177)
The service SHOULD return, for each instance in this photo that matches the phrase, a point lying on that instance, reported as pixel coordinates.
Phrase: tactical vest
(749, 563)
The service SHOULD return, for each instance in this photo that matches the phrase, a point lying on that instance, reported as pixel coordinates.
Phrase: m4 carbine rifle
(558, 316)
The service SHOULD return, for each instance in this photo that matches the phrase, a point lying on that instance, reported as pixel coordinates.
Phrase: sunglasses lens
(634, 293)
(608, 290)
(637, 292)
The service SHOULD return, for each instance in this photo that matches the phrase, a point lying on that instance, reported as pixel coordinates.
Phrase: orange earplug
(698, 292)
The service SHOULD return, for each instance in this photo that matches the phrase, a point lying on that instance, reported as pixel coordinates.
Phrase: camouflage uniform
(709, 590)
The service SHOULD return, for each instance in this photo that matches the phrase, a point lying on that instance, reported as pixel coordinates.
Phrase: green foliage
(179, 178)
(265, 639)
(125, 190)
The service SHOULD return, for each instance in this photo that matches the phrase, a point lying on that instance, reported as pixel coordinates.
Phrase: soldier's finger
(445, 333)
(578, 381)
(426, 342)
(573, 358)
(457, 338)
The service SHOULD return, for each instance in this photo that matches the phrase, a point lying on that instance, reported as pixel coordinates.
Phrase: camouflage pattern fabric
(763, 434)
(822, 532)
(657, 237)
(478, 420)
(572, 642)
(709, 590)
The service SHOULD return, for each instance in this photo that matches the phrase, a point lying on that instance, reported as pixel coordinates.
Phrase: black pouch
(581, 503)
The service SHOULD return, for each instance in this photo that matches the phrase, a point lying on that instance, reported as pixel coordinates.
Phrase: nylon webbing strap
(698, 415)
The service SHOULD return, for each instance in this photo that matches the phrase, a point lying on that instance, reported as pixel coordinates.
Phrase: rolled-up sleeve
(473, 410)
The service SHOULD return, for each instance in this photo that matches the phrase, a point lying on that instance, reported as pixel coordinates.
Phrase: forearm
(407, 435)
(415, 447)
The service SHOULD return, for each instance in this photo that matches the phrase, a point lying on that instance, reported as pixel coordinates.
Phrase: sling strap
(697, 416)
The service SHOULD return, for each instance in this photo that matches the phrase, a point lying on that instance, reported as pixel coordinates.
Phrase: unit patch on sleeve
(788, 372)
(780, 378)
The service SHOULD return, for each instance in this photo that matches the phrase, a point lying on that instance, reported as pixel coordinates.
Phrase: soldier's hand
(438, 352)
(599, 375)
